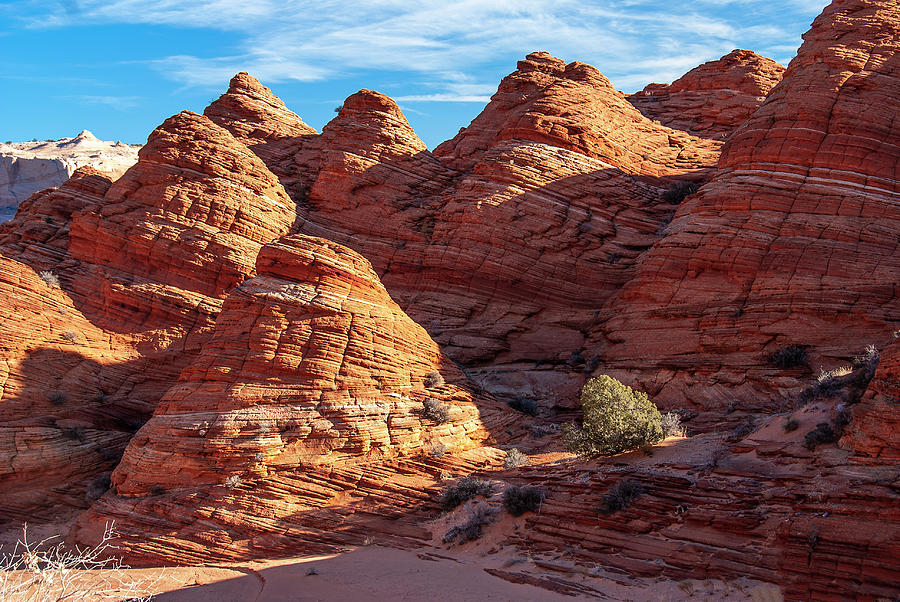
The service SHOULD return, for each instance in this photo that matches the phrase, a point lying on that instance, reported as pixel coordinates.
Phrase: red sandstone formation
(561, 195)
(377, 187)
(253, 114)
(794, 241)
(574, 107)
(312, 370)
(143, 265)
(714, 99)
(187, 222)
(874, 432)
(39, 233)
(535, 247)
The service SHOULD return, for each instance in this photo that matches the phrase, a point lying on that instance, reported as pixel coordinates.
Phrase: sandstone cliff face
(509, 259)
(313, 371)
(574, 107)
(874, 432)
(143, 266)
(59, 429)
(793, 243)
(186, 222)
(714, 99)
(28, 167)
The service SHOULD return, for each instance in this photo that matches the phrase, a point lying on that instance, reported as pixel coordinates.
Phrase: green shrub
(465, 489)
(616, 418)
(620, 496)
(790, 424)
(519, 500)
(435, 410)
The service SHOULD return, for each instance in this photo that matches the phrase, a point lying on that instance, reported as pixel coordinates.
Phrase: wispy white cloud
(118, 103)
(445, 44)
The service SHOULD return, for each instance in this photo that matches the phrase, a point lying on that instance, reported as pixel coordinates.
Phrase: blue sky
(119, 67)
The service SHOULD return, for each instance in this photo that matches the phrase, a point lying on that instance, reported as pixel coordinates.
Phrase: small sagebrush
(519, 500)
(436, 411)
(433, 380)
(233, 481)
(671, 425)
(473, 528)
(678, 191)
(58, 398)
(464, 490)
(823, 433)
(514, 459)
(438, 450)
(50, 279)
(70, 335)
(620, 496)
(790, 424)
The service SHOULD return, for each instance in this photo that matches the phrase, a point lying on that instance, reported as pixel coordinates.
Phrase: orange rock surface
(574, 107)
(284, 344)
(793, 242)
(143, 266)
(313, 372)
(714, 99)
(505, 263)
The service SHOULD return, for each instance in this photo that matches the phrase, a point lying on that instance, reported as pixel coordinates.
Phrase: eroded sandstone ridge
(137, 272)
(714, 99)
(28, 167)
(277, 302)
(308, 396)
(506, 239)
(792, 244)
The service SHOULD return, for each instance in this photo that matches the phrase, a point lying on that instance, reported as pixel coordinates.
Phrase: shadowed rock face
(793, 242)
(536, 248)
(714, 99)
(143, 266)
(312, 367)
(874, 432)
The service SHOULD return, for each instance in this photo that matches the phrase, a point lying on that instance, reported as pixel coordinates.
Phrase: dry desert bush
(52, 572)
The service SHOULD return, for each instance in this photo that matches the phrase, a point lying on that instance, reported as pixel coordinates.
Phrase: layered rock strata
(793, 244)
(143, 266)
(313, 374)
(714, 99)
(874, 432)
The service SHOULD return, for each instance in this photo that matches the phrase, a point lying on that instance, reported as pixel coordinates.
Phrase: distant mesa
(28, 167)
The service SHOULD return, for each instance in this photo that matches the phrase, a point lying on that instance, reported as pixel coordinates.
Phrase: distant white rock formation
(27, 167)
